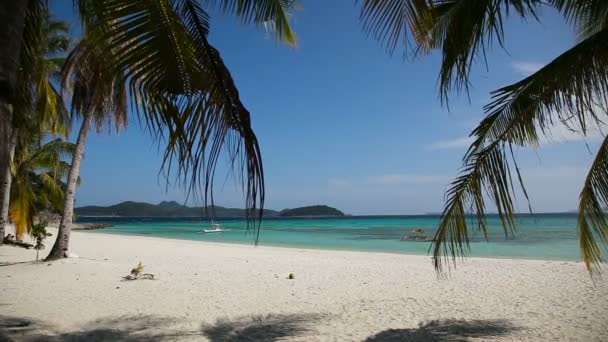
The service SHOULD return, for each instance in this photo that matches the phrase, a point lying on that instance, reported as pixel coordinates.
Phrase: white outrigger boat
(215, 228)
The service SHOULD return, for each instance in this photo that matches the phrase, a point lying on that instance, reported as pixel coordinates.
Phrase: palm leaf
(37, 174)
(39, 106)
(211, 120)
(274, 12)
(179, 86)
(588, 16)
(592, 223)
(145, 40)
(52, 191)
(462, 29)
(391, 21)
(21, 207)
(568, 91)
(93, 87)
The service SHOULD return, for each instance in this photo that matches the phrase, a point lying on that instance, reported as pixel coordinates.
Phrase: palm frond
(39, 106)
(589, 16)
(51, 154)
(392, 21)
(274, 12)
(21, 207)
(52, 191)
(488, 171)
(462, 29)
(592, 223)
(177, 83)
(37, 180)
(145, 40)
(211, 120)
(52, 115)
(36, 14)
(93, 87)
(568, 91)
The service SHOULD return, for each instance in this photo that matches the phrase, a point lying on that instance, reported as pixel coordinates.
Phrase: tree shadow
(146, 328)
(450, 330)
(259, 328)
(126, 328)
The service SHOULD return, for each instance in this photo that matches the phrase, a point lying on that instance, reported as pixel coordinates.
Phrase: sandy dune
(220, 292)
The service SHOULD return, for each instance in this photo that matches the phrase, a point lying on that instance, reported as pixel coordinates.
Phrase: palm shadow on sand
(146, 328)
(450, 330)
(260, 328)
(125, 328)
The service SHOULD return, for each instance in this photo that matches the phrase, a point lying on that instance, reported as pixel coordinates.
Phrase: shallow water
(540, 236)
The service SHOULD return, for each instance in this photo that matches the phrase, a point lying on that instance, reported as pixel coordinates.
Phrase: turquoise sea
(540, 236)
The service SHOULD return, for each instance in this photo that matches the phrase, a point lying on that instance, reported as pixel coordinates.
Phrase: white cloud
(526, 68)
(452, 144)
(393, 179)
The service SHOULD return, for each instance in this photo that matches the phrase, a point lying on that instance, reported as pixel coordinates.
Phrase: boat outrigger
(215, 228)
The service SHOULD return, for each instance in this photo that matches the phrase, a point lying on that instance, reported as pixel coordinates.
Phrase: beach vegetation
(38, 174)
(39, 233)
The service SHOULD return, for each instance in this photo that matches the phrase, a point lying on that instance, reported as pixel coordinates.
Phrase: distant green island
(313, 210)
(174, 209)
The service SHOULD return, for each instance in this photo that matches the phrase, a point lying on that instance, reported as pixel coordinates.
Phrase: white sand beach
(221, 292)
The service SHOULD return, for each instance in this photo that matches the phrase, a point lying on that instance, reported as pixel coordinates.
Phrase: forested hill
(313, 210)
(174, 209)
(163, 209)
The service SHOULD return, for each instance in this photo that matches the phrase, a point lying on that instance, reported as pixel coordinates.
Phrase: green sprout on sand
(40, 234)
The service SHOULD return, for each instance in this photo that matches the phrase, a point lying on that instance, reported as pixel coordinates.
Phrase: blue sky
(340, 122)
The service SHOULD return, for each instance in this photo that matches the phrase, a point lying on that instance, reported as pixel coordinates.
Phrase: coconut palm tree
(13, 16)
(37, 104)
(39, 112)
(157, 52)
(38, 171)
(176, 80)
(571, 90)
(98, 94)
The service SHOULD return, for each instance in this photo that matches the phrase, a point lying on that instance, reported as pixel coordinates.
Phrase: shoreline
(207, 291)
(459, 261)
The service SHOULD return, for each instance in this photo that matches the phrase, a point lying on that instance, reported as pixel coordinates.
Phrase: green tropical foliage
(38, 171)
(571, 90)
(38, 104)
(39, 233)
(37, 168)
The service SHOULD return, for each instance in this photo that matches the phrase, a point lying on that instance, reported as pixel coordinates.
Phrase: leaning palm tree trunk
(12, 18)
(62, 242)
